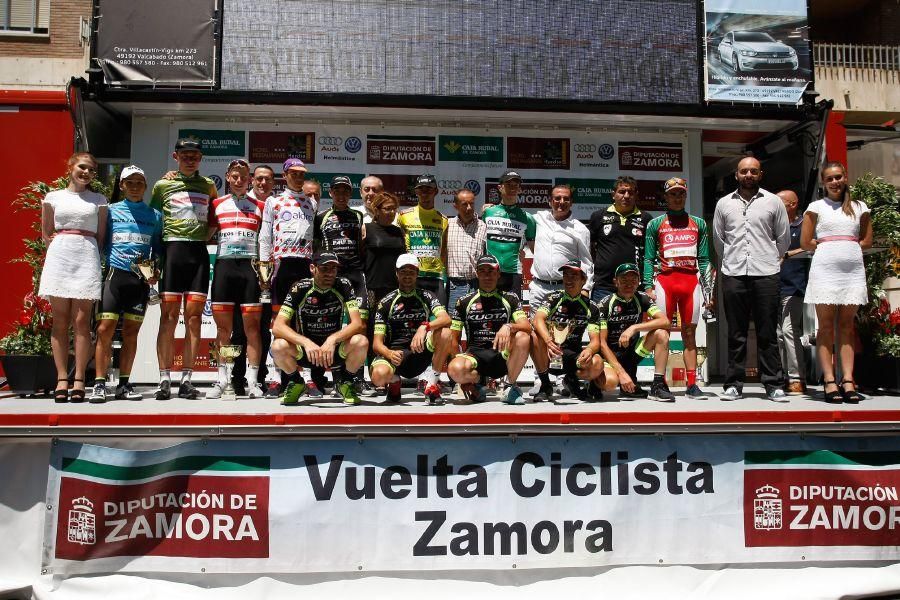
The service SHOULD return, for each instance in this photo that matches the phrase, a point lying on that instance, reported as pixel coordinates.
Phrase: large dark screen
(603, 51)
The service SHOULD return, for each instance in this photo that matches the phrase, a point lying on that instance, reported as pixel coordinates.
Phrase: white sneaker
(731, 393)
(215, 392)
(254, 390)
(535, 389)
(776, 394)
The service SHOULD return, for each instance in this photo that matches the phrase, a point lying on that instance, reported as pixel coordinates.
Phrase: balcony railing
(853, 56)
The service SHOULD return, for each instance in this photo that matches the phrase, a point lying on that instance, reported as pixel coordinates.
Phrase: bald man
(751, 234)
(368, 188)
(793, 276)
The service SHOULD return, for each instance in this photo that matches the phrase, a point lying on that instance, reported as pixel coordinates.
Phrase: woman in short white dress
(837, 228)
(73, 223)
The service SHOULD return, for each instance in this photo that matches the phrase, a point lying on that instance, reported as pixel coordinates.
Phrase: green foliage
(31, 330)
(876, 319)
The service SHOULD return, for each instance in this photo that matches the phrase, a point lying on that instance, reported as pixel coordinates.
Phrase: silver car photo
(756, 51)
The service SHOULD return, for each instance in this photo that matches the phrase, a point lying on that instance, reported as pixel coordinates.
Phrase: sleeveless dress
(837, 274)
(72, 264)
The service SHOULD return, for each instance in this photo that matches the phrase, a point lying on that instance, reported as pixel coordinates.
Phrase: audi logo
(450, 184)
(585, 147)
(330, 141)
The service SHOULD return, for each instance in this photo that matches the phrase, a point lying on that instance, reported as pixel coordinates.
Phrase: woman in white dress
(73, 223)
(837, 228)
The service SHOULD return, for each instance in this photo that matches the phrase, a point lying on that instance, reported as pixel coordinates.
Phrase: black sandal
(61, 396)
(851, 396)
(835, 397)
(76, 395)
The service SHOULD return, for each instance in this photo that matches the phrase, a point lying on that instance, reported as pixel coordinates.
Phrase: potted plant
(879, 325)
(27, 356)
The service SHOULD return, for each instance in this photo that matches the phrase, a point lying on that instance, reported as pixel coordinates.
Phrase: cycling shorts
(234, 282)
(186, 270)
(629, 359)
(487, 361)
(124, 293)
(569, 360)
(338, 358)
(680, 290)
(412, 365)
(289, 271)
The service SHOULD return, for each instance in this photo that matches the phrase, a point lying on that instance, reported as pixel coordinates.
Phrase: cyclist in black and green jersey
(406, 340)
(498, 336)
(184, 202)
(310, 331)
(568, 312)
(621, 323)
(509, 229)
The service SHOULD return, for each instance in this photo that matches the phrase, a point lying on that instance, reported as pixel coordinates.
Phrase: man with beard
(751, 234)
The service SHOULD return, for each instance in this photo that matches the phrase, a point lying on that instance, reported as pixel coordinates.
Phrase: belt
(77, 232)
(837, 238)
(545, 282)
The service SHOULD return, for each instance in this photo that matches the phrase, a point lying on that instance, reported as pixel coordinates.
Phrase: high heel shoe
(835, 397)
(60, 396)
(77, 395)
(850, 396)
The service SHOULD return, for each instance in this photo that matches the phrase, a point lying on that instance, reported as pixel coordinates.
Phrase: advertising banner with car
(757, 51)
(496, 503)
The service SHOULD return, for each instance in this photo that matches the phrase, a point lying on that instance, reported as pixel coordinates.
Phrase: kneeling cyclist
(406, 341)
(498, 336)
(621, 322)
(309, 331)
(134, 232)
(568, 308)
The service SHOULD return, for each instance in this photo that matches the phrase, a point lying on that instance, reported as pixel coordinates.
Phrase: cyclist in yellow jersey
(425, 231)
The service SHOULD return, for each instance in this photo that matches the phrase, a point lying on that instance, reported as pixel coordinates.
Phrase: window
(25, 16)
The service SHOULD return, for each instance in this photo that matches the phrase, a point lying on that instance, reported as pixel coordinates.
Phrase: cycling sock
(658, 378)
(691, 377)
(186, 375)
(252, 374)
(544, 377)
(165, 375)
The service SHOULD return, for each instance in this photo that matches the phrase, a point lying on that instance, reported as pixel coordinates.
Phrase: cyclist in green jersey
(184, 203)
(509, 229)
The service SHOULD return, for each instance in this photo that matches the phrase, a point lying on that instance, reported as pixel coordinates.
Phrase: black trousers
(758, 298)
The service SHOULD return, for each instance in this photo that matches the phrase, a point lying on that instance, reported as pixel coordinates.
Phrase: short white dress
(72, 264)
(837, 274)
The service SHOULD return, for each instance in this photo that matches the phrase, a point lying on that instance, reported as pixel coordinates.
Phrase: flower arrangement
(876, 318)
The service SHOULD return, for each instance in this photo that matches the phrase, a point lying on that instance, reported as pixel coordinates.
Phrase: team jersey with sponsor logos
(399, 315)
(616, 239)
(508, 228)
(316, 313)
(287, 226)
(482, 314)
(133, 231)
(618, 314)
(576, 312)
(340, 231)
(676, 242)
(238, 220)
(184, 204)
(424, 232)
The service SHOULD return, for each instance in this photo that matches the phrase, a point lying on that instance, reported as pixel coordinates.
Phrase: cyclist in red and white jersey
(677, 270)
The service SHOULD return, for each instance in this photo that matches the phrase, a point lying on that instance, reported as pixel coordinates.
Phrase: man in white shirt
(751, 233)
(559, 239)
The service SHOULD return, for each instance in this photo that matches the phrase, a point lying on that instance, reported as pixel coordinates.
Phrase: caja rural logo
(821, 498)
(189, 506)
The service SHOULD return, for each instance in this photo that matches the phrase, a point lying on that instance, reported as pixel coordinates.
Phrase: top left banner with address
(139, 43)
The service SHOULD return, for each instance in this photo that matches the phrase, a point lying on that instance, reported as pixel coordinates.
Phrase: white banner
(476, 503)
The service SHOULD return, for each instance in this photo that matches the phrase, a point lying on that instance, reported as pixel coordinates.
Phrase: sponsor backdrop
(757, 50)
(459, 504)
(458, 158)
